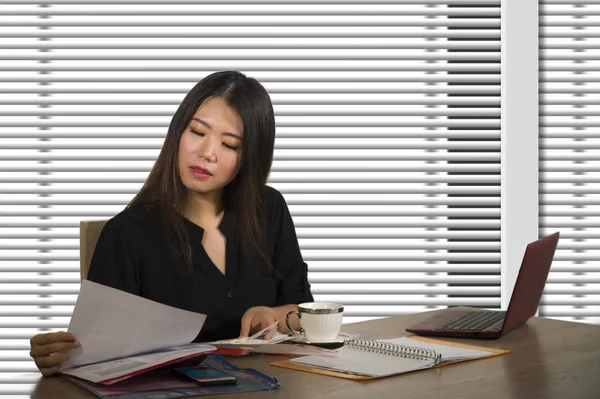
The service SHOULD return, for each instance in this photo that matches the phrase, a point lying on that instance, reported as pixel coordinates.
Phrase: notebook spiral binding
(386, 348)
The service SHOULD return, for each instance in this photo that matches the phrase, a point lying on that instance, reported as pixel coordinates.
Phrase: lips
(200, 172)
(201, 169)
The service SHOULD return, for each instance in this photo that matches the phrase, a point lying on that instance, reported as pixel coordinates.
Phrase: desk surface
(548, 359)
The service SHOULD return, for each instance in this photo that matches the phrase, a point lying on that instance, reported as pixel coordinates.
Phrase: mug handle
(287, 321)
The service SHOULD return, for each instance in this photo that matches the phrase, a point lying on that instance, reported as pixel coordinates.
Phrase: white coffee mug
(319, 321)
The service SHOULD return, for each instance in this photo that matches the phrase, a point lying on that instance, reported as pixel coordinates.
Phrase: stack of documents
(166, 384)
(123, 335)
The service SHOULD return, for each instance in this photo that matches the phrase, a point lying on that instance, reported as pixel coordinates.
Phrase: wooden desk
(549, 359)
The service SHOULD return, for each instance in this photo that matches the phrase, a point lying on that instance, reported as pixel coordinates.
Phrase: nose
(207, 149)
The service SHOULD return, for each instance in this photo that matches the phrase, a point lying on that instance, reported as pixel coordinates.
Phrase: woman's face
(210, 149)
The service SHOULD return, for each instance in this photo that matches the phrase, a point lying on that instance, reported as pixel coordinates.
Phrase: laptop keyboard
(475, 321)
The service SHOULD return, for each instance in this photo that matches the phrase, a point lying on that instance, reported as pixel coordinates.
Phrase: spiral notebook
(368, 359)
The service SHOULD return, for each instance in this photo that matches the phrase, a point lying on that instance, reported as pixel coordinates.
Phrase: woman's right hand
(51, 349)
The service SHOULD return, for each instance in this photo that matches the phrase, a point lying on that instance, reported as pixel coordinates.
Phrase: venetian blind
(570, 155)
(387, 147)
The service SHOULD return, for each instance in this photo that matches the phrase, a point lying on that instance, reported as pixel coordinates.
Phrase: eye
(196, 132)
(231, 147)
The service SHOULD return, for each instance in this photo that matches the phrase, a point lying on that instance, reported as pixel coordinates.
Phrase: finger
(45, 350)
(54, 360)
(48, 371)
(48, 338)
(256, 325)
(246, 322)
(271, 331)
(264, 322)
(60, 336)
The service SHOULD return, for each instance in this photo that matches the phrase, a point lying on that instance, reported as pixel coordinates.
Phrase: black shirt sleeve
(114, 262)
(291, 272)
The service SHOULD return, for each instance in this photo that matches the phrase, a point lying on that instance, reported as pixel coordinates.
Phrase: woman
(205, 233)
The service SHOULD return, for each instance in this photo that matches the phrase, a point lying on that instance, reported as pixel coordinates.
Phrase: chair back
(89, 232)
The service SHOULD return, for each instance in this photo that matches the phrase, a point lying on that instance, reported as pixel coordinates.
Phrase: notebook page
(448, 353)
(365, 363)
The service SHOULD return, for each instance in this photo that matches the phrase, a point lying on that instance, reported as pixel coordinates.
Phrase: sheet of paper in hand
(255, 339)
(122, 334)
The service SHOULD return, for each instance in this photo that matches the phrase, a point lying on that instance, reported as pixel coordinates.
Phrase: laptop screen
(530, 282)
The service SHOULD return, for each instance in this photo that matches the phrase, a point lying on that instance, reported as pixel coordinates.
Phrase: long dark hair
(164, 189)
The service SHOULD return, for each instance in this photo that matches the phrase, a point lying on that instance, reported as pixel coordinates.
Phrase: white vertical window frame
(570, 154)
(519, 132)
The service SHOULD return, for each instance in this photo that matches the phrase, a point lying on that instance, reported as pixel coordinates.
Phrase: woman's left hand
(257, 318)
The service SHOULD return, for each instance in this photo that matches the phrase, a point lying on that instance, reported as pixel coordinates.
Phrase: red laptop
(491, 324)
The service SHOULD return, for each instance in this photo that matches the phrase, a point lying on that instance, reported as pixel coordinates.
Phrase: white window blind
(570, 155)
(387, 147)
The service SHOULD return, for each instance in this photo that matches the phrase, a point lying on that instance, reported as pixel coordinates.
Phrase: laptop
(492, 324)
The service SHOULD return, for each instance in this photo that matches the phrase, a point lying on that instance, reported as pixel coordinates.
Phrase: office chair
(89, 232)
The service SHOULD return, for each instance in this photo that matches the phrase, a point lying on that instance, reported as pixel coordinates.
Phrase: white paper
(364, 363)
(377, 365)
(112, 324)
(116, 368)
(236, 342)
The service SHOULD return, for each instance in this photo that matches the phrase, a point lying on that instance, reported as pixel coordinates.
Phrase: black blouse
(132, 254)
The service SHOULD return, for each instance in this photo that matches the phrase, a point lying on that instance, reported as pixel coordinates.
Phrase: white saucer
(301, 339)
(343, 336)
